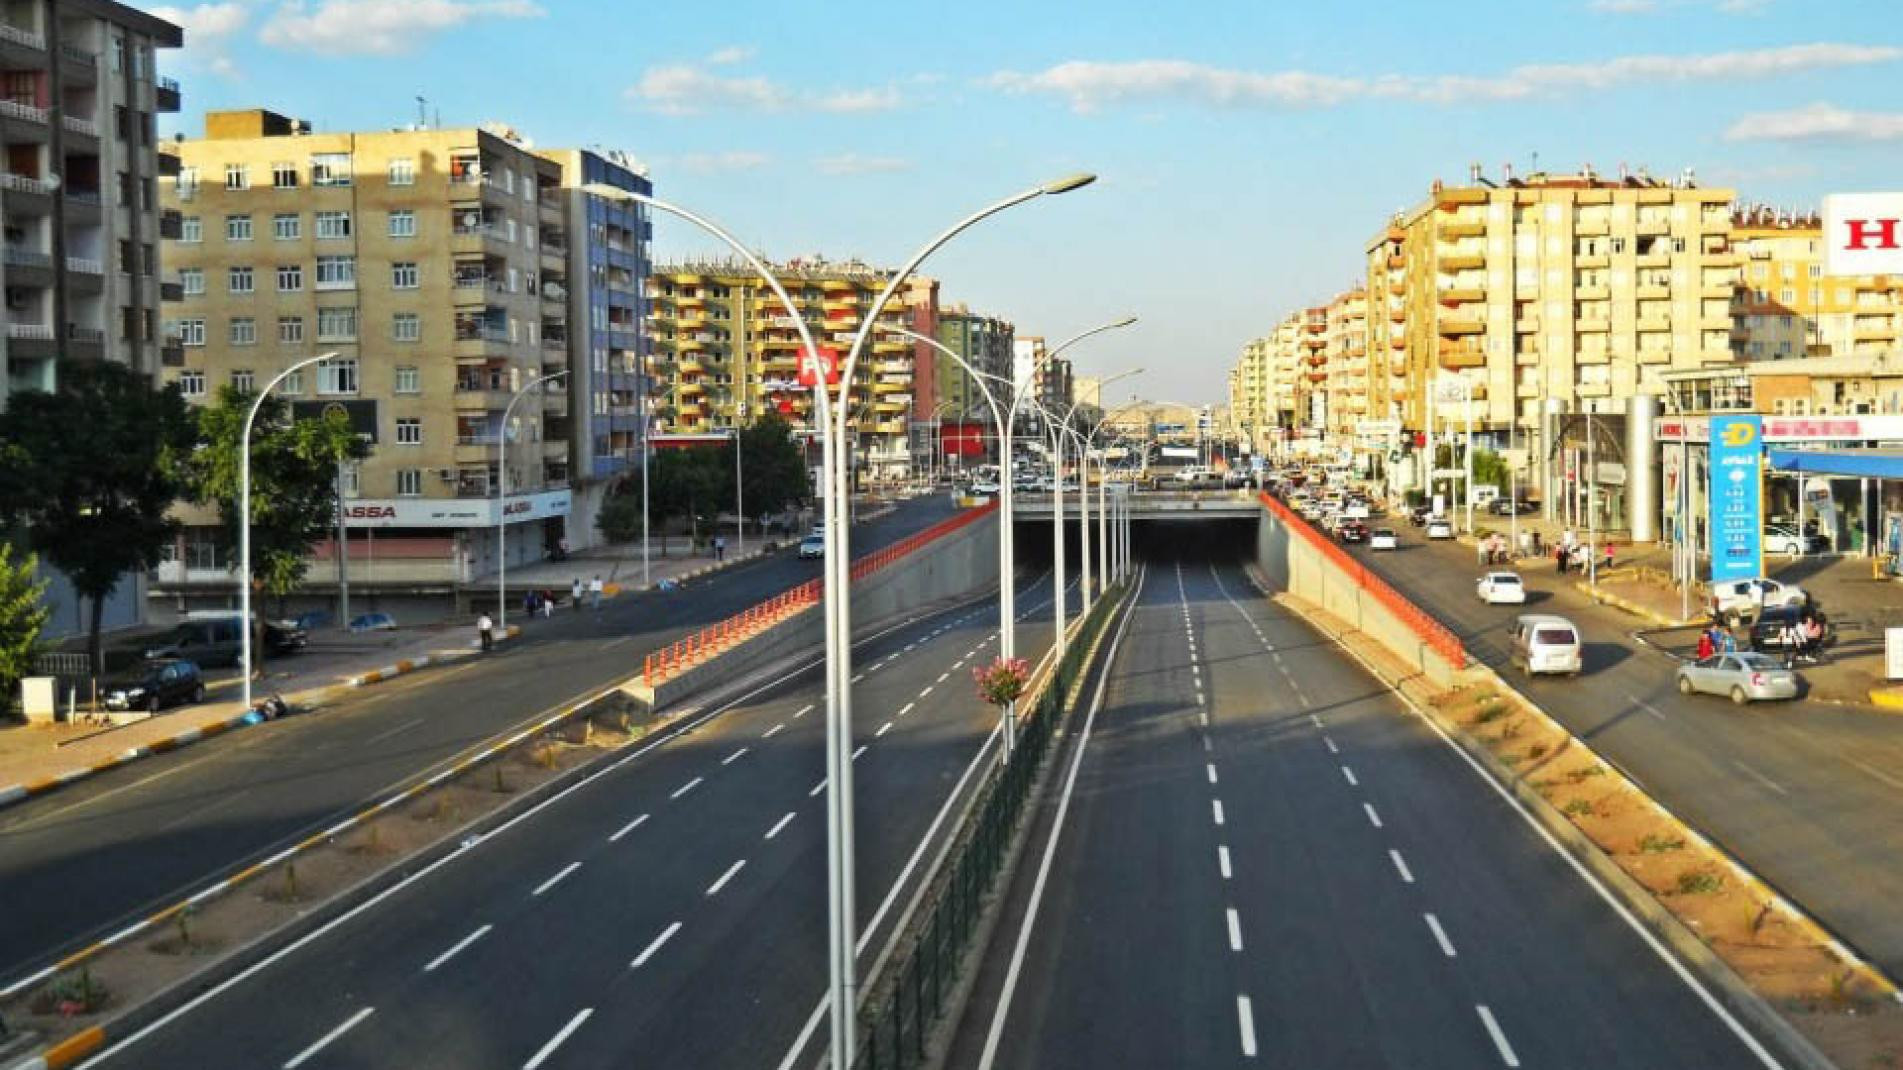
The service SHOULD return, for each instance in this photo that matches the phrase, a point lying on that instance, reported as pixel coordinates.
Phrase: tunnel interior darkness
(1150, 540)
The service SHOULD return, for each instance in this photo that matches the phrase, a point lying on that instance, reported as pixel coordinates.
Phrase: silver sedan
(1744, 676)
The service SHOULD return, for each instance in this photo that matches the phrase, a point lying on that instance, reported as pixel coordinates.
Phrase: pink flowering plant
(1001, 682)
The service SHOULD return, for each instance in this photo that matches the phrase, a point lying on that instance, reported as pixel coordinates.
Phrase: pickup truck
(1742, 600)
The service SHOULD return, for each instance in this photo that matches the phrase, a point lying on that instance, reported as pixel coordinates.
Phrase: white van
(1543, 643)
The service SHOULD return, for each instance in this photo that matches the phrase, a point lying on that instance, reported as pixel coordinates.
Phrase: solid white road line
(627, 828)
(1373, 818)
(458, 947)
(1215, 809)
(1400, 865)
(1222, 861)
(1499, 1038)
(1235, 930)
(557, 878)
(857, 753)
(654, 945)
(556, 1041)
(1210, 767)
(1349, 775)
(714, 888)
(780, 824)
(685, 788)
(1440, 935)
(1245, 1020)
(729, 759)
(298, 1059)
(775, 730)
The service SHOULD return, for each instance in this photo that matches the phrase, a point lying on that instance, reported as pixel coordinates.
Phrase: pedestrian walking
(1559, 558)
(486, 631)
(548, 604)
(720, 547)
(1727, 642)
(594, 593)
(574, 593)
(1608, 567)
(1706, 647)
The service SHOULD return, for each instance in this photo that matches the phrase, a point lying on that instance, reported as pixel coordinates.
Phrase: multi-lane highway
(77, 862)
(1806, 793)
(1256, 857)
(670, 912)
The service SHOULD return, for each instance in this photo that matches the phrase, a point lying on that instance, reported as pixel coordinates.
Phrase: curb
(18, 793)
(1616, 602)
(1888, 698)
(67, 1052)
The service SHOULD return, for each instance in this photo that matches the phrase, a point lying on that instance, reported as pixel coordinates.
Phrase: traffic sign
(821, 361)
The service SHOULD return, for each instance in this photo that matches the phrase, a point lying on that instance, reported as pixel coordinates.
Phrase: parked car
(373, 622)
(284, 637)
(1383, 539)
(1543, 643)
(313, 619)
(156, 685)
(812, 546)
(1739, 600)
(1438, 527)
(1509, 507)
(984, 488)
(1779, 539)
(1772, 629)
(1746, 676)
(1419, 515)
(1351, 531)
(210, 641)
(1501, 588)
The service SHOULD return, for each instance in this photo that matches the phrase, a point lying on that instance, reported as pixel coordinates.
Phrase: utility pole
(343, 554)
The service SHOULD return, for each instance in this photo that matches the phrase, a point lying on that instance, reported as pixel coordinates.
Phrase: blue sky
(1246, 150)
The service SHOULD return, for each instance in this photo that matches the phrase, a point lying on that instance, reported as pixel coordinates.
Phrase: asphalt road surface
(1805, 793)
(82, 861)
(670, 912)
(1262, 860)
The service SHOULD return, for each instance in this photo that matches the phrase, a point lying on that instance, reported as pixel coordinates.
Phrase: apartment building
(725, 350)
(1388, 358)
(987, 344)
(1345, 361)
(432, 266)
(1786, 308)
(1249, 394)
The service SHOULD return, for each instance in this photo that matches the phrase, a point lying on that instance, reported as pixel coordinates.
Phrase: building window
(292, 383)
(239, 280)
(409, 380)
(330, 169)
(403, 172)
(290, 278)
(191, 383)
(332, 225)
(336, 272)
(243, 380)
(287, 226)
(283, 175)
(191, 332)
(244, 331)
(237, 228)
(404, 275)
(290, 329)
(409, 482)
(406, 327)
(1786, 295)
(337, 376)
(409, 432)
(191, 229)
(336, 324)
(403, 223)
(237, 177)
(191, 280)
(187, 183)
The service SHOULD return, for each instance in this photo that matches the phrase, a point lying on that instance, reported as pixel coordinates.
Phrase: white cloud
(1817, 122)
(1089, 86)
(852, 163)
(209, 29)
(686, 89)
(379, 27)
(730, 55)
(707, 163)
(1623, 7)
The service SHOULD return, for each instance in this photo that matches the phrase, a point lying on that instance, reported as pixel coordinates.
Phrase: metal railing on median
(1432, 632)
(907, 997)
(691, 650)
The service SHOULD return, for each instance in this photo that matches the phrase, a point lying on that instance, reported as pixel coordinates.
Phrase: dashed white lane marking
(817, 788)
(1207, 746)
(1751, 772)
(349, 1023)
(1877, 773)
(1315, 720)
(927, 691)
(557, 878)
(714, 888)
(906, 709)
(1330, 744)
(616, 835)
(653, 947)
(685, 788)
(1222, 862)
(1245, 1020)
(943, 676)
(857, 753)
(858, 676)
(883, 729)
(1646, 706)
(1440, 935)
(1499, 1038)
(457, 948)
(1216, 809)
(1235, 930)
(804, 710)
(780, 824)
(556, 1041)
(1400, 865)
(1373, 818)
(775, 730)
(1349, 775)
(1199, 698)
(731, 758)
(909, 646)
(1210, 767)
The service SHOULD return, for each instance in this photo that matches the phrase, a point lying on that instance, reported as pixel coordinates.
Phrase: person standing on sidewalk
(486, 631)
(720, 547)
(574, 593)
(594, 593)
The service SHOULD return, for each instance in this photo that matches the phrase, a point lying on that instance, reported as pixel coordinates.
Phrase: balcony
(171, 353)
(1654, 324)
(1591, 226)
(1592, 326)
(480, 397)
(477, 237)
(1462, 260)
(1873, 331)
(1459, 295)
(1463, 228)
(169, 164)
(1455, 326)
(165, 95)
(475, 449)
(18, 38)
(171, 290)
(84, 128)
(1462, 356)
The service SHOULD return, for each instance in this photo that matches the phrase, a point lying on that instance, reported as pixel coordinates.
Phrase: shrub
(70, 994)
(1578, 808)
(1653, 844)
(1698, 881)
(1001, 682)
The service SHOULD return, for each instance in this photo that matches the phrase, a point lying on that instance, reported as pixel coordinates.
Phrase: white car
(1501, 588)
(1438, 527)
(1741, 599)
(984, 488)
(1384, 539)
(812, 546)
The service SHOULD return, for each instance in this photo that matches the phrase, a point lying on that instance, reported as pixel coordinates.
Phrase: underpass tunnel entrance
(1226, 539)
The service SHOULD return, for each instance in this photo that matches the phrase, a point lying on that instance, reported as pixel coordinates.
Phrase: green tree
(293, 481)
(23, 613)
(773, 467)
(620, 516)
(94, 468)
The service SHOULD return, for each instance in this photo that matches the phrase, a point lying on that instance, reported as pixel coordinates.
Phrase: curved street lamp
(502, 500)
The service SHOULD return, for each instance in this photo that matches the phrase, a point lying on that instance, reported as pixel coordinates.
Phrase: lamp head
(1068, 183)
(604, 190)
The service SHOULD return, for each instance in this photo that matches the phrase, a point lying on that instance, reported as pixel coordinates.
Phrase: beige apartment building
(1345, 361)
(430, 264)
(1786, 308)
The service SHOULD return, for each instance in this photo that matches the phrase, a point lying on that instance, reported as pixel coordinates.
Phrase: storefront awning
(1864, 464)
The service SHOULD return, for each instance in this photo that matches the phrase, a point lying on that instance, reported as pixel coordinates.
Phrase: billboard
(1736, 505)
(1863, 234)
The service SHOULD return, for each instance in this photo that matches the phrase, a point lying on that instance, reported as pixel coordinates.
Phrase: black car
(284, 637)
(1771, 629)
(1418, 515)
(1352, 531)
(1508, 507)
(158, 684)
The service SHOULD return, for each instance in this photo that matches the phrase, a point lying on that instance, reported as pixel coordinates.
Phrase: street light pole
(502, 502)
(244, 516)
